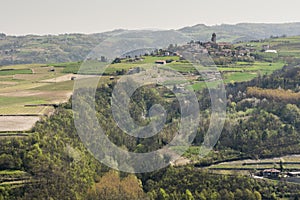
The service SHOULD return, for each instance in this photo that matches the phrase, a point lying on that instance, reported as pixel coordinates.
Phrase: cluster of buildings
(221, 49)
(266, 49)
(212, 48)
(290, 176)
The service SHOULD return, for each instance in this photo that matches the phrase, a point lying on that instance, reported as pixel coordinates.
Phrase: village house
(265, 47)
(271, 173)
(103, 59)
(224, 45)
(167, 53)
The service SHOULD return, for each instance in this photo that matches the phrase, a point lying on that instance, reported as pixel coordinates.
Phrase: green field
(71, 67)
(61, 86)
(288, 47)
(239, 77)
(23, 66)
(201, 85)
(19, 87)
(242, 71)
(289, 163)
(16, 105)
(7, 72)
(246, 71)
(93, 67)
(8, 101)
(182, 67)
(22, 85)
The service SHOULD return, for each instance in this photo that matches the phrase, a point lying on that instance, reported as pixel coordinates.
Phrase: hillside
(54, 160)
(53, 156)
(242, 32)
(75, 47)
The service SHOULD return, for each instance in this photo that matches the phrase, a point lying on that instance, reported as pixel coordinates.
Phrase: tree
(238, 194)
(163, 195)
(257, 195)
(131, 187)
(249, 195)
(110, 186)
(281, 165)
(201, 196)
(215, 196)
(117, 60)
(9, 162)
(226, 195)
(188, 195)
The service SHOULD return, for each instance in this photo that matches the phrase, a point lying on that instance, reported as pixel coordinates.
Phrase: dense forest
(263, 121)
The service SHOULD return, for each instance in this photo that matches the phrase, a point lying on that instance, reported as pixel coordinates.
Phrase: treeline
(287, 79)
(257, 126)
(270, 121)
(286, 96)
(189, 183)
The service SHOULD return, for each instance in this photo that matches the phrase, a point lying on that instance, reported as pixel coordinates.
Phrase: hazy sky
(19, 17)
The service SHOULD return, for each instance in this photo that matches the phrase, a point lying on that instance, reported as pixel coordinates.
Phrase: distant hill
(242, 32)
(75, 47)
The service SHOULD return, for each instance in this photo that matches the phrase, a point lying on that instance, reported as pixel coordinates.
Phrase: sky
(22, 17)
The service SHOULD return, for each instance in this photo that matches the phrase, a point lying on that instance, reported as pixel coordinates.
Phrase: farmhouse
(265, 47)
(209, 45)
(224, 45)
(271, 173)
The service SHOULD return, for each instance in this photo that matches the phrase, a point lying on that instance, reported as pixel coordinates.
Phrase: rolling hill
(75, 47)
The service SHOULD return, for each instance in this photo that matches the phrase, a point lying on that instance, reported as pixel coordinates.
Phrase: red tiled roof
(272, 170)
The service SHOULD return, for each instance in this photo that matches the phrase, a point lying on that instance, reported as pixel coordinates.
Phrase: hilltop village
(225, 49)
(221, 52)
